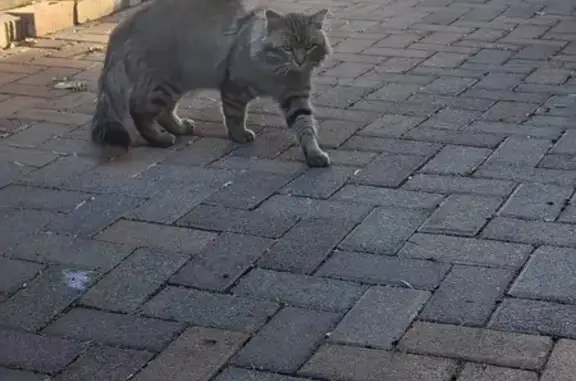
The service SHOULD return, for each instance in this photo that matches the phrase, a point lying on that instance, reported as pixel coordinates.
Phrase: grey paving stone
(380, 317)
(248, 191)
(566, 144)
(45, 297)
(391, 147)
(478, 345)
(17, 225)
(299, 290)
(211, 348)
(170, 238)
(535, 317)
(458, 137)
(467, 251)
(306, 245)
(105, 363)
(259, 222)
(20, 375)
(462, 215)
(14, 275)
(387, 197)
(114, 329)
(385, 270)
(549, 274)
(70, 251)
(335, 362)
(129, 285)
(240, 374)
(38, 353)
(202, 152)
(560, 367)
(530, 232)
(520, 151)
(456, 160)
(300, 207)
(270, 349)
(318, 182)
(93, 216)
(467, 296)
(519, 174)
(223, 262)
(456, 184)
(480, 372)
(207, 309)
(536, 202)
(385, 230)
(388, 170)
(391, 125)
(19, 196)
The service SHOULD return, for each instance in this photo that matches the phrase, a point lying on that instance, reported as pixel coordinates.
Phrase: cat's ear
(318, 18)
(273, 17)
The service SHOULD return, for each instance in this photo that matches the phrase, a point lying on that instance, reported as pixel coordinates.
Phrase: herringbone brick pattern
(440, 246)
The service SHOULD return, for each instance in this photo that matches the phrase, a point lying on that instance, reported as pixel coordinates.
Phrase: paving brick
(380, 317)
(480, 372)
(299, 290)
(45, 297)
(477, 344)
(384, 270)
(130, 284)
(391, 146)
(519, 151)
(341, 97)
(333, 133)
(509, 112)
(17, 225)
(38, 353)
(318, 183)
(566, 144)
(89, 217)
(536, 202)
(134, 234)
(222, 263)
(114, 329)
(69, 251)
(491, 56)
(499, 81)
(59, 171)
(214, 310)
(306, 245)
(462, 215)
(269, 350)
(451, 119)
(562, 162)
(530, 232)
(384, 230)
(196, 355)
(105, 363)
(202, 152)
(387, 197)
(468, 251)
(299, 207)
(456, 184)
(467, 296)
(391, 125)
(388, 170)
(248, 191)
(457, 137)
(20, 375)
(335, 362)
(15, 275)
(547, 275)
(514, 130)
(535, 317)
(257, 222)
(448, 85)
(445, 60)
(240, 374)
(394, 92)
(456, 160)
(560, 367)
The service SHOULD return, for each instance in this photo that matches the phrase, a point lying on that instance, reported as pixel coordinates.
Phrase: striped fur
(243, 51)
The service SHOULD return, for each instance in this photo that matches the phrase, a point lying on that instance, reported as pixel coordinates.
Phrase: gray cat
(172, 47)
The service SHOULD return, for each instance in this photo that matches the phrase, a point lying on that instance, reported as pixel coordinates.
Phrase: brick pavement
(440, 246)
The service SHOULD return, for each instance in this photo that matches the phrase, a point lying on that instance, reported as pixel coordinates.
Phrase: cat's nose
(299, 58)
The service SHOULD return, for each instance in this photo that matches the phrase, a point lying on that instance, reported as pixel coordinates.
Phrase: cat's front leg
(234, 108)
(299, 116)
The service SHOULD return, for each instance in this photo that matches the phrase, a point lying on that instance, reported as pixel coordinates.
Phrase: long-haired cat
(173, 47)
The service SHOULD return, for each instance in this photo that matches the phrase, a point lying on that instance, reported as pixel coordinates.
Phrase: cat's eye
(311, 48)
(287, 49)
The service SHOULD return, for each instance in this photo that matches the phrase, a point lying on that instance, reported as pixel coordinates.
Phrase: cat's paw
(163, 140)
(317, 159)
(187, 126)
(242, 136)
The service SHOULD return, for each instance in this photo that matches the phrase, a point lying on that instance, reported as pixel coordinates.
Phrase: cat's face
(296, 41)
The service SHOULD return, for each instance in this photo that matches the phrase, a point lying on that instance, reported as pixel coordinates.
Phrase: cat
(171, 48)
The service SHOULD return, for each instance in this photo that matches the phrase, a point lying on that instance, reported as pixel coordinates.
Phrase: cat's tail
(111, 107)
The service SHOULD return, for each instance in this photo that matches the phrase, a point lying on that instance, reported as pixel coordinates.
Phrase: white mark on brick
(77, 279)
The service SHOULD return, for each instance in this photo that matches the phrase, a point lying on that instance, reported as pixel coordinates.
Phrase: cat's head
(296, 41)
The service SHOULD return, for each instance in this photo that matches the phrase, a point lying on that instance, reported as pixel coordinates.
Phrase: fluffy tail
(112, 107)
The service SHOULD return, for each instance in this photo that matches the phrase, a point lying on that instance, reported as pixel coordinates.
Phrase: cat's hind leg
(147, 103)
(170, 120)
(235, 108)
